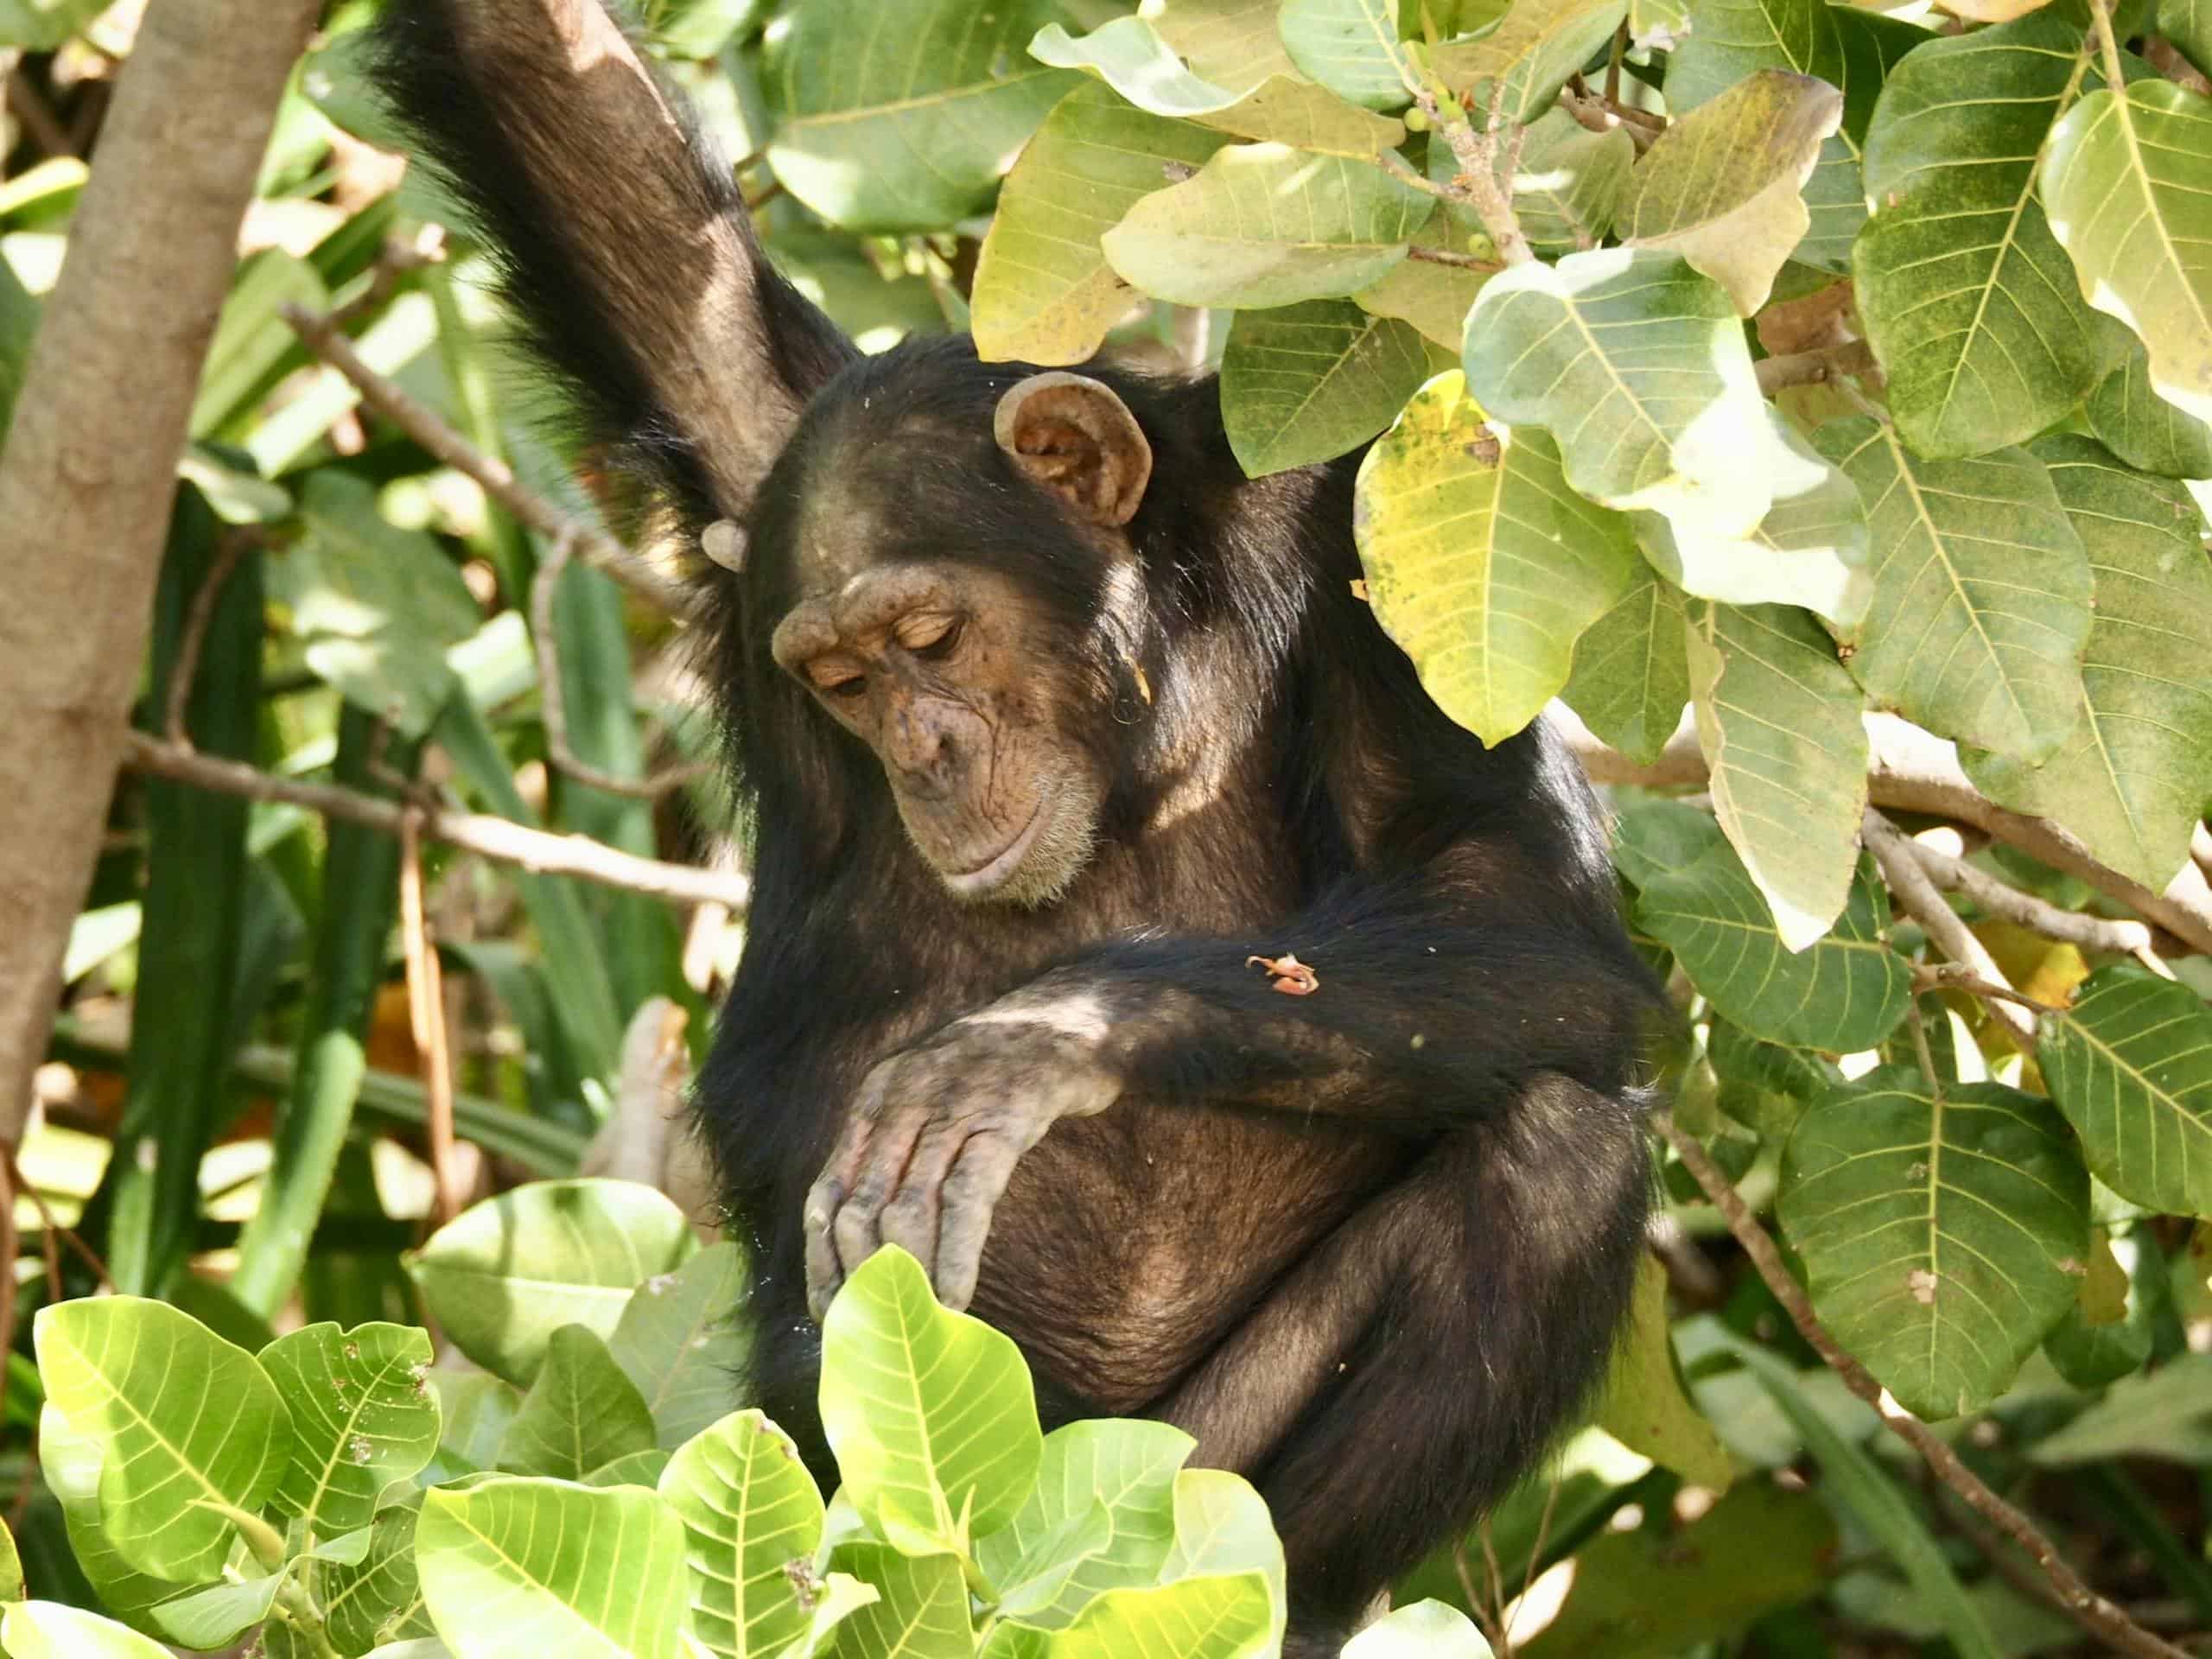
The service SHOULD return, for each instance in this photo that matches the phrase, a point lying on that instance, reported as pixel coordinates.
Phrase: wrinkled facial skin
(936, 667)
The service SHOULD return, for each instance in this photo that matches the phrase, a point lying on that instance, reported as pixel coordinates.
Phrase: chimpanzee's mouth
(980, 882)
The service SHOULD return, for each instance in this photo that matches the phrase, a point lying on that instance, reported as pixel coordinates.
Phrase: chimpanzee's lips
(978, 882)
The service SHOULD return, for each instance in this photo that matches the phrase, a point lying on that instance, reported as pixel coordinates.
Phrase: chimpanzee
(1050, 722)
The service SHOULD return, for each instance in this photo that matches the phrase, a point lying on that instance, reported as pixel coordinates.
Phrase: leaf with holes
(1777, 717)
(2127, 183)
(2143, 428)
(1481, 562)
(1981, 592)
(1722, 187)
(1942, 1238)
(2133, 778)
(2131, 1066)
(187, 1425)
(1305, 383)
(363, 1416)
(520, 1569)
(1264, 225)
(1637, 365)
(679, 1341)
(1850, 49)
(905, 127)
(930, 1412)
(1631, 678)
(1844, 993)
(1968, 300)
(580, 1414)
(1044, 292)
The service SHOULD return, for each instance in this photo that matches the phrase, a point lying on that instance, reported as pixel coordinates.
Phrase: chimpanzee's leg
(1420, 1358)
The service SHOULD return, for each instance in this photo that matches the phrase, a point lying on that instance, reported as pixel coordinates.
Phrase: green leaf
(252, 341)
(1942, 1238)
(1305, 383)
(183, 1422)
(1637, 365)
(1264, 225)
(45, 25)
(678, 1340)
(1518, 68)
(1728, 40)
(1643, 1405)
(47, 1630)
(379, 1598)
(1844, 993)
(1123, 1472)
(2188, 24)
(1981, 592)
(2143, 428)
(1632, 676)
(363, 1416)
(1222, 1526)
(2131, 1066)
(1721, 186)
(476, 1409)
(1351, 47)
(930, 1412)
(1238, 79)
(1569, 185)
(218, 1616)
(922, 1613)
(503, 1276)
(2134, 775)
(1433, 297)
(1044, 292)
(1777, 717)
(2090, 1353)
(70, 1463)
(1811, 550)
(521, 1569)
(1968, 300)
(750, 1510)
(2166, 1414)
(1765, 1086)
(1228, 1617)
(376, 606)
(2127, 183)
(907, 128)
(1481, 562)
(1425, 1629)
(11, 1569)
(582, 1413)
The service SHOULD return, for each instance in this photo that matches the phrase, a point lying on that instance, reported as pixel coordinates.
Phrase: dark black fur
(1373, 1244)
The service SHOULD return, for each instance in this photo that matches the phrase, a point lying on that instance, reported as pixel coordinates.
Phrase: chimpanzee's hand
(933, 1140)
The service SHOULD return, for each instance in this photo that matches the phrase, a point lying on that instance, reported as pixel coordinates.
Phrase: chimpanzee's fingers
(910, 1220)
(858, 1228)
(823, 1274)
(971, 1194)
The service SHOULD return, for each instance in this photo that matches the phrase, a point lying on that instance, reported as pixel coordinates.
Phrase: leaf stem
(2109, 45)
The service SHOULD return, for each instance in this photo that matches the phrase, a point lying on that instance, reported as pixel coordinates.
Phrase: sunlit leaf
(581, 1412)
(2133, 777)
(476, 1407)
(2131, 1066)
(363, 1416)
(1981, 592)
(1777, 717)
(1631, 678)
(1425, 1629)
(1943, 1237)
(1122, 1471)
(183, 1420)
(71, 1464)
(523, 1569)
(1351, 47)
(1721, 186)
(1481, 562)
(380, 1598)
(1518, 68)
(1044, 292)
(1264, 225)
(931, 1413)
(2143, 428)
(47, 1630)
(1225, 1616)
(2127, 183)
(922, 1613)
(1637, 365)
(1842, 994)
(1222, 1526)
(1968, 300)
(680, 1342)
(905, 128)
(218, 1616)
(1570, 182)
(1305, 383)
(750, 1510)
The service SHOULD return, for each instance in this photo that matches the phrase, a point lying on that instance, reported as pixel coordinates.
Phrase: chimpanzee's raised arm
(625, 242)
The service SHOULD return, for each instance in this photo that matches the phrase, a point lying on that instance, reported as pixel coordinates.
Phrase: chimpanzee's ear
(1072, 435)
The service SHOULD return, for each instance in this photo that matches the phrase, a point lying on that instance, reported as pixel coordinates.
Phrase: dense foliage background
(1841, 375)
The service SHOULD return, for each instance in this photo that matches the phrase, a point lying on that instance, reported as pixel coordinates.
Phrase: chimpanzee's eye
(930, 637)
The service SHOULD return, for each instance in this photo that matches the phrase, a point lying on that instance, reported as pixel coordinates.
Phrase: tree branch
(539, 850)
(1813, 368)
(89, 472)
(423, 425)
(1916, 895)
(2009, 904)
(2093, 1612)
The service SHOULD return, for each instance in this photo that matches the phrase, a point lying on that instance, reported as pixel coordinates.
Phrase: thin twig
(2095, 1613)
(1613, 66)
(1928, 1074)
(1916, 895)
(9, 1242)
(52, 1230)
(2165, 57)
(1950, 976)
(1446, 257)
(1813, 368)
(2009, 904)
(426, 428)
(539, 850)
(426, 1015)
(193, 638)
(553, 700)
(38, 118)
